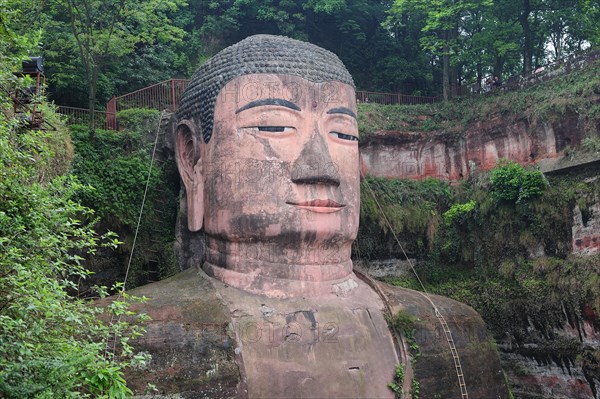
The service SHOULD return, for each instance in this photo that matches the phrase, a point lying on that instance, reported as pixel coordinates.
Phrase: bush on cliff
(116, 165)
(504, 248)
(52, 344)
(413, 211)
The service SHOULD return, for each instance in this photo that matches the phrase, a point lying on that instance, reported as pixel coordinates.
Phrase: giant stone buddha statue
(266, 143)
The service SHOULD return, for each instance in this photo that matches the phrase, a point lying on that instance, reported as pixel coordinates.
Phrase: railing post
(111, 114)
(174, 102)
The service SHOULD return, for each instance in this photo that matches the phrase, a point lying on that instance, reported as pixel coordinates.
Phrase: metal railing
(166, 95)
(541, 74)
(161, 96)
(393, 98)
(81, 116)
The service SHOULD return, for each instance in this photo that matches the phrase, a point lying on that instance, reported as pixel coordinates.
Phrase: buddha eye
(273, 129)
(268, 129)
(343, 136)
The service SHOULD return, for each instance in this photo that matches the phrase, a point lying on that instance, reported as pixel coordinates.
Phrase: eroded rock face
(540, 368)
(210, 340)
(412, 155)
(586, 230)
(543, 378)
(434, 367)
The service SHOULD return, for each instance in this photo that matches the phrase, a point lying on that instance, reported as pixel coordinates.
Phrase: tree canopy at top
(408, 46)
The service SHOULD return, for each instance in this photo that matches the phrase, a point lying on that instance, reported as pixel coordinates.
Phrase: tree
(52, 343)
(590, 14)
(107, 29)
(527, 35)
(442, 27)
(562, 27)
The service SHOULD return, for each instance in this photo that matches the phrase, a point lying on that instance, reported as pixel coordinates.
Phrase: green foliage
(508, 221)
(458, 212)
(396, 384)
(512, 183)
(391, 45)
(412, 209)
(138, 121)
(440, 17)
(572, 96)
(52, 343)
(116, 165)
(511, 261)
(112, 29)
(405, 323)
(415, 389)
(592, 145)
(375, 118)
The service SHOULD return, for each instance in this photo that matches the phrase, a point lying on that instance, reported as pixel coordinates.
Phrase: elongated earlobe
(189, 163)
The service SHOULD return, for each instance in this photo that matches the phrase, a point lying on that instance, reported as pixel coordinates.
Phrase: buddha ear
(189, 163)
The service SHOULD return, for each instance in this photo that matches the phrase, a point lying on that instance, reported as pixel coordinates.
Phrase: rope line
(139, 221)
(137, 229)
(438, 314)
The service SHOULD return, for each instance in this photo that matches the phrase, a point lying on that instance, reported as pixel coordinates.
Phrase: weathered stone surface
(192, 351)
(538, 379)
(209, 340)
(331, 346)
(434, 368)
(381, 269)
(586, 230)
(536, 368)
(416, 155)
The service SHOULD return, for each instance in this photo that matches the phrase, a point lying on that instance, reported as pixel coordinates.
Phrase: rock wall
(535, 371)
(416, 155)
(586, 230)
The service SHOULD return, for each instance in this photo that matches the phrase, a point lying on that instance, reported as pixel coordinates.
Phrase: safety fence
(167, 95)
(393, 98)
(162, 96)
(81, 116)
(538, 75)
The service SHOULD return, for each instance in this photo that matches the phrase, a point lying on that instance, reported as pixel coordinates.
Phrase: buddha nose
(314, 164)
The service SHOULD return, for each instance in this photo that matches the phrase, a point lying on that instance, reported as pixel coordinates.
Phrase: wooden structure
(26, 99)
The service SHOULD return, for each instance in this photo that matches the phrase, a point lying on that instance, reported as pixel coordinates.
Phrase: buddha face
(281, 168)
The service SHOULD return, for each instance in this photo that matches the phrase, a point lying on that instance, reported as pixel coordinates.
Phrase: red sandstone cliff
(451, 156)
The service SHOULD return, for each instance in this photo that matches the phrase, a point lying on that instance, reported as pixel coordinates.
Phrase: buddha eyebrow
(342, 110)
(269, 101)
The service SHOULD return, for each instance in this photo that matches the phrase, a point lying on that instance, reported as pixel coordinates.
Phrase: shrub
(458, 212)
(52, 343)
(138, 120)
(116, 165)
(412, 211)
(513, 183)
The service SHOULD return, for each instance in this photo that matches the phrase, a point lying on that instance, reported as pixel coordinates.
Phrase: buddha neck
(277, 270)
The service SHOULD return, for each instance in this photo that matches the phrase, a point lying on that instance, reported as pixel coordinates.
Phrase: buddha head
(267, 149)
